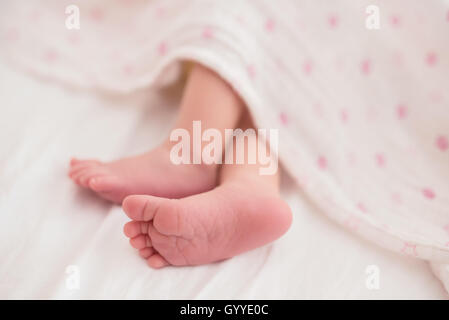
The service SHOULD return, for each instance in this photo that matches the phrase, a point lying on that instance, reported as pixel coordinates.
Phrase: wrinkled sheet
(48, 225)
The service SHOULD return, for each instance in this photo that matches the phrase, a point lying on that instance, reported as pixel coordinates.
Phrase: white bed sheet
(48, 224)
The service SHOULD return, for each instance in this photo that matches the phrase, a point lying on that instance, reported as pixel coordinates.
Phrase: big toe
(78, 164)
(105, 183)
(84, 176)
(140, 207)
(79, 167)
(164, 212)
(156, 261)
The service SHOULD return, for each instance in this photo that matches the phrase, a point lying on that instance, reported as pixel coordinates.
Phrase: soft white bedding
(48, 224)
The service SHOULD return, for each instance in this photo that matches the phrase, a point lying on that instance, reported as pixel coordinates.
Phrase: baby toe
(75, 161)
(140, 242)
(77, 175)
(146, 252)
(156, 261)
(134, 228)
(81, 166)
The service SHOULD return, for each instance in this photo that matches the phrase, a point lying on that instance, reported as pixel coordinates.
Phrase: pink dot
(428, 193)
(51, 55)
(269, 25)
(431, 58)
(446, 227)
(322, 163)
(252, 71)
(365, 66)
(128, 69)
(344, 115)
(12, 34)
(442, 143)
(447, 16)
(380, 159)
(162, 48)
(361, 206)
(436, 96)
(73, 38)
(284, 118)
(396, 198)
(332, 20)
(208, 33)
(409, 248)
(307, 67)
(160, 12)
(401, 111)
(395, 21)
(279, 63)
(97, 14)
(318, 108)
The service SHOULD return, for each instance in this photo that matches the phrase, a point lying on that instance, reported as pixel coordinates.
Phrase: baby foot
(151, 173)
(212, 226)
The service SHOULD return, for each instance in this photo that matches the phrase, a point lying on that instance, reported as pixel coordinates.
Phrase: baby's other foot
(151, 173)
(212, 226)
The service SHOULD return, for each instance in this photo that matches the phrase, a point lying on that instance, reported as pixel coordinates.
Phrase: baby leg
(206, 98)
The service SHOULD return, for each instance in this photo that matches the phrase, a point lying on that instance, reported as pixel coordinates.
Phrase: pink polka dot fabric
(363, 114)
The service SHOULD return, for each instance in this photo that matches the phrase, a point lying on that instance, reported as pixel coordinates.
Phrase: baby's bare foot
(151, 173)
(212, 226)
